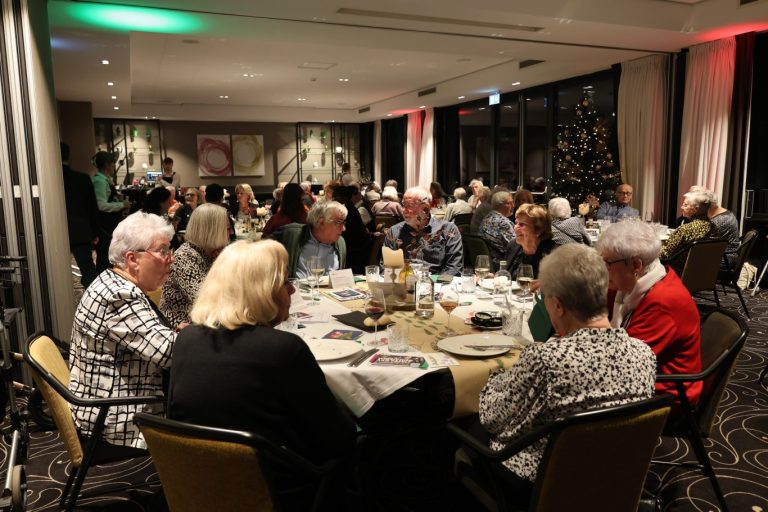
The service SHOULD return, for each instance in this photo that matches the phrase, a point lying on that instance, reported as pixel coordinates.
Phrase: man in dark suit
(82, 217)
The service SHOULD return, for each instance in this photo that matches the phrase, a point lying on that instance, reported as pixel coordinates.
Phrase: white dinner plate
(458, 344)
(324, 281)
(328, 350)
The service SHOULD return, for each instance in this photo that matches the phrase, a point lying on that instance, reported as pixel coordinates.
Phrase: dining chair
(463, 221)
(376, 244)
(206, 468)
(51, 376)
(594, 460)
(702, 265)
(730, 276)
(474, 246)
(384, 221)
(723, 334)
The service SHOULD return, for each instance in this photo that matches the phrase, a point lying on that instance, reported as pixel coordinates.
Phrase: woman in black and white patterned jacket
(588, 365)
(205, 237)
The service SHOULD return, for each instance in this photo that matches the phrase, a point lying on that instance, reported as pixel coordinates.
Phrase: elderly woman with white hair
(482, 208)
(207, 234)
(650, 302)
(566, 229)
(232, 369)
(389, 204)
(591, 364)
(496, 229)
(459, 206)
(120, 341)
(695, 208)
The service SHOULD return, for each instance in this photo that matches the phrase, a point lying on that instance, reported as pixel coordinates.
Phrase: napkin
(355, 319)
(539, 322)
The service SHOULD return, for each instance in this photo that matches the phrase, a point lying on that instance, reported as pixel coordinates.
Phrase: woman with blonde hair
(533, 238)
(246, 202)
(207, 234)
(232, 369)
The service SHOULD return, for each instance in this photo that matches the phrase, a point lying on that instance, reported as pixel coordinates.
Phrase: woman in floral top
(590, 365)
(206, 235)
(674, 250)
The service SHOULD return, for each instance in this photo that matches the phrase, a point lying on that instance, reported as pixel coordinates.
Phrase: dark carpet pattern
(410, 470)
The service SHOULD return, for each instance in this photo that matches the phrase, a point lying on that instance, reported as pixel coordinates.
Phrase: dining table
(313, 317)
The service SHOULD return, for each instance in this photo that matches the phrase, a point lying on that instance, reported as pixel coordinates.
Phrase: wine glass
(317, 269)
(449, 300)
(482, 266)
(524, 278)
(501, 283)
(374, 309)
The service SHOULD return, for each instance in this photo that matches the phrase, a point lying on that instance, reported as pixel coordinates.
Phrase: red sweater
(668, 321)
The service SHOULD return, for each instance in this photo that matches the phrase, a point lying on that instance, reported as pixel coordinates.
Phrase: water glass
(512, 321)
(372, 274)
(468, 281)
(398, 335)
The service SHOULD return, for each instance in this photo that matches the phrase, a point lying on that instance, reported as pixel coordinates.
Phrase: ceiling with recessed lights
(318, 60)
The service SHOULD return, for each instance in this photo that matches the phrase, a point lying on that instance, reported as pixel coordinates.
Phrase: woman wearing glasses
(120, 340)
(650, 302)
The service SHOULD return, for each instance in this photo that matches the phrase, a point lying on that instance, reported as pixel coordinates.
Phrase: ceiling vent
(427, 92)
(364, 110)
(529, 62)
(434, 19)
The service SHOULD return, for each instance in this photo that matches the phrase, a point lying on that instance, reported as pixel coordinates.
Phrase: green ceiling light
(142, 19)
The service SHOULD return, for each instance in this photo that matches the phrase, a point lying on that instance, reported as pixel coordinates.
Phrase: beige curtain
(640, 127)
(413, 150)
(706, 113)
(427, 157)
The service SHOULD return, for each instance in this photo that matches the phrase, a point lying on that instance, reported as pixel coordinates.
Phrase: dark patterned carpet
(411, 470)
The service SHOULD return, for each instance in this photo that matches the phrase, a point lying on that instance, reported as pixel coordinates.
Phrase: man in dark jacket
(82, 217)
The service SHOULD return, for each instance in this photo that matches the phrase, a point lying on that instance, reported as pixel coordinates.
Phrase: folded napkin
(539, 322)
(356, 319)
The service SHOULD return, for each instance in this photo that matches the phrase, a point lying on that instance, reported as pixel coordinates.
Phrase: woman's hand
(535, 286)
(181, 326)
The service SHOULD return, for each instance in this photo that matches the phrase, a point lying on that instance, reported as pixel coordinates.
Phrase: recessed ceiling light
(587, 87)
(301, 99)
(116, 108)
(389, 115)
(527, 99)
(105, 62)
(515, 83)
(343, 79)
(110, 84)
(422, 106)
(146, 117)
(481, 108)
(501, 52)
(461, 97)
(223, 97)
(252, 75)
(154, 117)
(114, 97)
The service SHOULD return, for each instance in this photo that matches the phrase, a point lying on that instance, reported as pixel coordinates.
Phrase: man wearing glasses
(424, 237)
(620, 209)
(320, 237)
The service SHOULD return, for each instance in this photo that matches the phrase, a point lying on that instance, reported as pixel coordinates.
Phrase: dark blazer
(82, 210)
(516, 256)
(261, 380)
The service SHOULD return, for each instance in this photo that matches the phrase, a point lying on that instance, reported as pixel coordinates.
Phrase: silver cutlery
(362, 358)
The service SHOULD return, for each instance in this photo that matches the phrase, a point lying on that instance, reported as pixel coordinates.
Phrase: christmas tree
(583, 164)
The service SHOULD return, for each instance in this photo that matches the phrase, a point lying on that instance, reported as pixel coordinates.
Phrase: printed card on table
(343, 334)
(342, 278)
(346, 294)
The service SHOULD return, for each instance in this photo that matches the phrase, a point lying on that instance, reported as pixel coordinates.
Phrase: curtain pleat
(377, 151)
(706, 113)
(426, 170)
(642, 106)
(413, 150)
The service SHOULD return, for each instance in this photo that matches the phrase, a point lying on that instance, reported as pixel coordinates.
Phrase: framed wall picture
(214, 155)
(248, 155)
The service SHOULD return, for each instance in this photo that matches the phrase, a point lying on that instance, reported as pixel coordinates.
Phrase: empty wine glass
(449, 300)
(482, 266)
(374, 309)
(501, 283)
(524, 278)
(317, 269)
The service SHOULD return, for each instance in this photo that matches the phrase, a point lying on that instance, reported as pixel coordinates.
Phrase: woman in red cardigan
(650, 302)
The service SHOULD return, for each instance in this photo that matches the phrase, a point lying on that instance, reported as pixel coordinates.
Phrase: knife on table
(362, 358)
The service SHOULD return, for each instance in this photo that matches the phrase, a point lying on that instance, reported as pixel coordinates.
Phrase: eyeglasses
(608, 263)
(190, 195)
(623, 193)
(338, 223)
(164, 253)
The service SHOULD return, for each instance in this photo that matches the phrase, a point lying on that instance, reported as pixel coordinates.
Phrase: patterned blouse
(188, 270)
(728, 228)
(568, 231)
(674, 250)
(498, 233)
(120, 344)
(591, 368)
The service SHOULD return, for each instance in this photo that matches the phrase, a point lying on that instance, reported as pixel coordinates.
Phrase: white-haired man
(459, 206)
(320, 236)
(425, 237)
